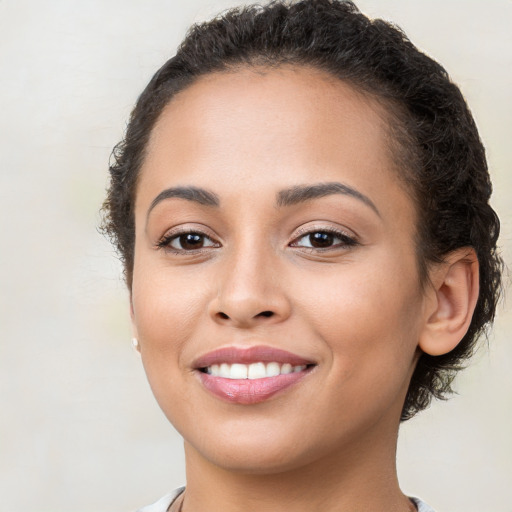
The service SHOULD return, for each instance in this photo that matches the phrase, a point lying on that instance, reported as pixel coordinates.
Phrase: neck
(361, 478)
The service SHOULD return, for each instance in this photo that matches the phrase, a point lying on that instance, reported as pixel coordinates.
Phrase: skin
(356, 309)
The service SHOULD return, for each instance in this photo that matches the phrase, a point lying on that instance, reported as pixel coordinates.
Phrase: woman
(301, 205)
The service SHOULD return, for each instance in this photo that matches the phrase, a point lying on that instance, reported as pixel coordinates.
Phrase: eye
(187, 242)
(324, 239)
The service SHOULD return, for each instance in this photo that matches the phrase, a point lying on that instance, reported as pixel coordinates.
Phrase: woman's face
(273, 235)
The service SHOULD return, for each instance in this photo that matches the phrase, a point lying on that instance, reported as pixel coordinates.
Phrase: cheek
(167, 305)
(369, 317)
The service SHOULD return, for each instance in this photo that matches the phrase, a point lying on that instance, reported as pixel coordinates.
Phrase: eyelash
(346, 241)
(165, 242)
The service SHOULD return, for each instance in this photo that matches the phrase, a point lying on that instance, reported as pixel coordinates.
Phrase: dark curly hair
(432, 134)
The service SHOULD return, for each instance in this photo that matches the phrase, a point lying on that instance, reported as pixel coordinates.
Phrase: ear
(136, 343)
(450, 302)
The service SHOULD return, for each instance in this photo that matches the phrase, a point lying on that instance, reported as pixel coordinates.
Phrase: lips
(250, 375)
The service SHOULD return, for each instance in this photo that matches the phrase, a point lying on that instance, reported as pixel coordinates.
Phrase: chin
(256, 447)
(254, 458)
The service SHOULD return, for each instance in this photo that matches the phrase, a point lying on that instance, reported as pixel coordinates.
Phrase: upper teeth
(252, 371)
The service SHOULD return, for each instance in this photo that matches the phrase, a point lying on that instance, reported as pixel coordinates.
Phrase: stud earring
(135, 343)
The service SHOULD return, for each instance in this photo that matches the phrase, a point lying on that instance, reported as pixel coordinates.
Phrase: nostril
(224, 316)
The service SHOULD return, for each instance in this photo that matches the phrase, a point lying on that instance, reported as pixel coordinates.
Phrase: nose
(250, 291)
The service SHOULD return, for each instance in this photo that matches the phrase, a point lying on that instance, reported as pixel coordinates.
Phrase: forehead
(300, 104)
(250, 127)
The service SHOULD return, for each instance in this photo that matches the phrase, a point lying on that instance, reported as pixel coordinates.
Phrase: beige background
(79, 429)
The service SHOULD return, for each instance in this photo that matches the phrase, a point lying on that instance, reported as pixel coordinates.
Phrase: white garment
(163, 504)
(421, 506)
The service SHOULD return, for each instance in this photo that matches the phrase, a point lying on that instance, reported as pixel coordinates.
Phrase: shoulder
(421, 506)
(163, 503)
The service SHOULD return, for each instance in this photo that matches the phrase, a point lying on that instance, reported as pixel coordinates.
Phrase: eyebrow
(287, 197)
(195, 194)
(302, 193)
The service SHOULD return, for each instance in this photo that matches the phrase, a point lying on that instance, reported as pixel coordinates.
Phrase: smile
(252, 371)
(250, 375)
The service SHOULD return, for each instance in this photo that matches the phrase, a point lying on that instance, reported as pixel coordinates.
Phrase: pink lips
(247, 391)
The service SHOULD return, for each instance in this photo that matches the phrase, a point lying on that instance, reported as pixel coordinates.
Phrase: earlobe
(135, 339)
(455, 284)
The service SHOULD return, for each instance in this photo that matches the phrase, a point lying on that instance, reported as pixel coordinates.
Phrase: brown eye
(324, 240)
(187, 242)
(321, 239)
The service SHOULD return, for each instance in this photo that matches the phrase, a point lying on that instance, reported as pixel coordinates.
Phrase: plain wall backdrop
(79, 428)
